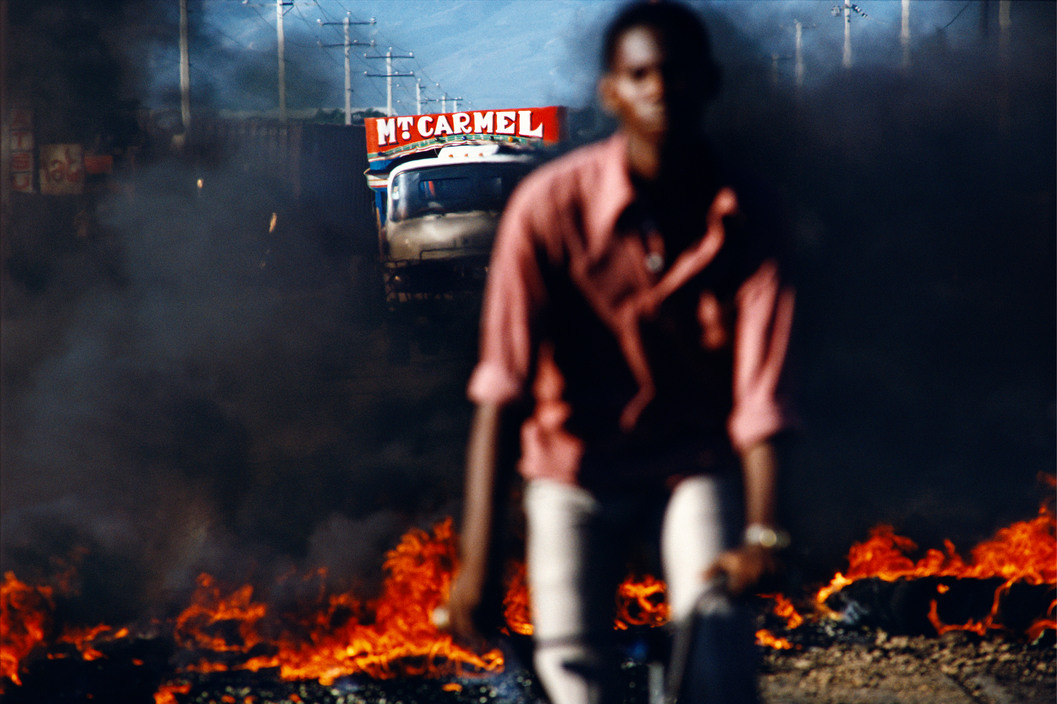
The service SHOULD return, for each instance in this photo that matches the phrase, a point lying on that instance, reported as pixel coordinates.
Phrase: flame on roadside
(331, 635)
(338, 634)
(27, 623)
(166, 694)
(84, 639)
(25, 620)
(640, 601)
(516, 601)
(767, 639)
(1024, 552)
(783, 608)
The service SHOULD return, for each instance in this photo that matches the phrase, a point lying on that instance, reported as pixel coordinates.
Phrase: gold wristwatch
(763, 536)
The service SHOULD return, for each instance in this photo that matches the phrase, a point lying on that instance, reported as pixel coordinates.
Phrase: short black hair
(681, 28)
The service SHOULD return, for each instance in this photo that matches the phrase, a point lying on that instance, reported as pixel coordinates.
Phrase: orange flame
(209, 607)
(1046, 623)
(1023, 552)
(336, 640)
(166, 694)
(335, 635)
(83, 638)
(640, 601)
(783, 608)
(25, 617)
(769, 640)
(516, 601)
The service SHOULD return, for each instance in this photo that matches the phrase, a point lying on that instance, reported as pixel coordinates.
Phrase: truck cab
(442, 214)
(440, 183)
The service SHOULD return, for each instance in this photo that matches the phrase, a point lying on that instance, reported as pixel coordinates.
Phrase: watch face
(766, 537)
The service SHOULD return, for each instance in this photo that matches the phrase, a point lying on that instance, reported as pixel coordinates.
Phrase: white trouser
(575, 548)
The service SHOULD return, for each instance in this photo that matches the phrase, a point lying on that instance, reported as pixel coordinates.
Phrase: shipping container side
(333, 158)
(316, 168)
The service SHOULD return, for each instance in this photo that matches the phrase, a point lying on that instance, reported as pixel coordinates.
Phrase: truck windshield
(457, 188)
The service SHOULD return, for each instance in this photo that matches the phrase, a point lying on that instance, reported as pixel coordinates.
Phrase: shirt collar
(615, 190)
(617, 193)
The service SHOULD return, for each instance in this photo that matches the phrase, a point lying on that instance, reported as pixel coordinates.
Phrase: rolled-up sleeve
(762, 332)
(514, 295)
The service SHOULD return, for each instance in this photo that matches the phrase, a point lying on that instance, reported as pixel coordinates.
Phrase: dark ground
(839, 666)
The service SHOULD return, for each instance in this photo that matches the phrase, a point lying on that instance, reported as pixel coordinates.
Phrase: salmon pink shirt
(636, 369)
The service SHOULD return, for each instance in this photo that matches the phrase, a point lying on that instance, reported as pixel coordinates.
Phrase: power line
(311, 27)
(260, 17)
(396, 91)
(964, 8)
(217, 30)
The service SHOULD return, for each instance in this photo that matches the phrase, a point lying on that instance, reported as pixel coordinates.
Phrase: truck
(440, 182)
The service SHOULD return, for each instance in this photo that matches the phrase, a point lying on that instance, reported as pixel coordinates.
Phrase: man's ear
(605, 94)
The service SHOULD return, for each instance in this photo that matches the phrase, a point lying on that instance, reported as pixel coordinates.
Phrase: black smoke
(193, 371)
(922, 207)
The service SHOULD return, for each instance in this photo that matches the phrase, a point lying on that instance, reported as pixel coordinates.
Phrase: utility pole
(419, 100)
(185, 71)
(799, 55)
(847, 9)
(389, 76)
(846, 61)
(347, 44)
(279, 4)
(775, 58)
(904, 34)
(1004, 23)
(444, 103)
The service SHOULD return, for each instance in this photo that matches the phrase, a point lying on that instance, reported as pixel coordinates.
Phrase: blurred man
(633, 304)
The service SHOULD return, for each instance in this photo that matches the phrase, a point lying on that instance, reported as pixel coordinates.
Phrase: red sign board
(389, 137)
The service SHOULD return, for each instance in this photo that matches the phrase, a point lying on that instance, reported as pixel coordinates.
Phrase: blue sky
(509, 53)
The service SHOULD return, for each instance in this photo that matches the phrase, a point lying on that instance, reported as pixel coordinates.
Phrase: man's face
(650, 92)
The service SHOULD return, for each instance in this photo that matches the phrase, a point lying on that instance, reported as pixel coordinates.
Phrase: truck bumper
(408, 281)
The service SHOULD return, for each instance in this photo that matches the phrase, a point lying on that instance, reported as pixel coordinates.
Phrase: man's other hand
(462, 609)
(743, 567)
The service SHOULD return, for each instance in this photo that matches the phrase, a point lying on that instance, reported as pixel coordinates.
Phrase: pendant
(654, 262)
